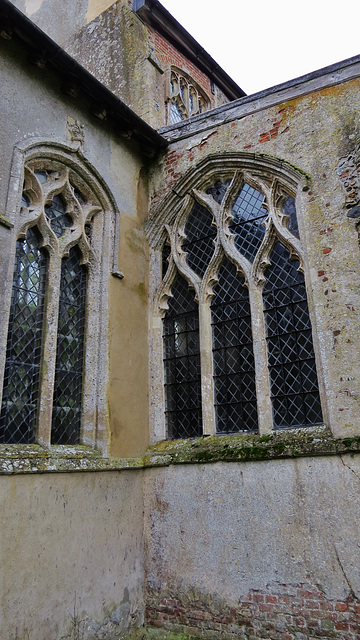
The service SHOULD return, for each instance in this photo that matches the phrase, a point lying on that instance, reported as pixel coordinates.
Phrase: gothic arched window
(236, 244)
(186, 98)
(50, 382)
(182, 363)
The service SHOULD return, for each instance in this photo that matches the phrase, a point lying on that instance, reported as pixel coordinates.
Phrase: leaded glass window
(23, 356)
(233, 246)
(44, 382)
(294, 385)
(66, 417)
(247, 226)
(234, 366)
(199, 239)
(56, 213)
(182, 363)
(186, 97)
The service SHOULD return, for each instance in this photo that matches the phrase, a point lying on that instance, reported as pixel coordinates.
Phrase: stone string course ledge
(292, 443)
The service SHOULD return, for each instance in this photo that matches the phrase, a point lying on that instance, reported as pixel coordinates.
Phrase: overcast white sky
(261, 43)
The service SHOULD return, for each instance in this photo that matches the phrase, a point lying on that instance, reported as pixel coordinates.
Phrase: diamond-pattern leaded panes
(234, 367)
(248, 221)
(23, 355)
(218, 190)
(59, 219)
(182, 363)
(289, 209)
(66, 419)
(293, 379)
(199, 242)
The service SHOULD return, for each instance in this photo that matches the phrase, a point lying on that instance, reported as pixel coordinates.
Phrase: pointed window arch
(186, 98)
(236, 241)
(57, 340)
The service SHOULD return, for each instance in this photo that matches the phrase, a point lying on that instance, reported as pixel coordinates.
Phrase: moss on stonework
(310, 441)
(291, 443)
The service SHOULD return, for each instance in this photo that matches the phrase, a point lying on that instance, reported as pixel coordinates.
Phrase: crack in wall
(352, 592)
(350, 468)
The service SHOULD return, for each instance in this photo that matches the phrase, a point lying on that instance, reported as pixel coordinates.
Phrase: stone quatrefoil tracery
(53, 256)
(228, 240)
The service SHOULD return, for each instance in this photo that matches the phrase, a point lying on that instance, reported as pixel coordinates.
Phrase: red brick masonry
(298, 615)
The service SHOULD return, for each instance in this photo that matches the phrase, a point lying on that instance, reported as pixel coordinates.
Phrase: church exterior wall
(261, 541)
(267, 549)
(254, 550)
(293, 131)
(71, 555)
(72, 543)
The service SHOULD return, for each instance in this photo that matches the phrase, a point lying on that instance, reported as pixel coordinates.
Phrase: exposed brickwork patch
(291, 614)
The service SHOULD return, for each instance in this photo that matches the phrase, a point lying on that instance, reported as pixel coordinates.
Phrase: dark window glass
(289, 209)
(234, 368)
(248, 221)
(23, 356)
(293, 379)
(66, 419)
(182, 363)
(218, 190)
(59, 219)
(166, 252)
(199, 242)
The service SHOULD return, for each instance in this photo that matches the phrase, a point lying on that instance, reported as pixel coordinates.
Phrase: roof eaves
(76, 80)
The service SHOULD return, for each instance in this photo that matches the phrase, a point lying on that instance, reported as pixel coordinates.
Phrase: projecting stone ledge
(290, 443)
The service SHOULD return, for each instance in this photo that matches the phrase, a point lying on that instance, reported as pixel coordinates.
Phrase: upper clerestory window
(186, 99)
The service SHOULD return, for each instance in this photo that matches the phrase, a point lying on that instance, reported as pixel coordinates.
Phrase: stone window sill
(291, 443)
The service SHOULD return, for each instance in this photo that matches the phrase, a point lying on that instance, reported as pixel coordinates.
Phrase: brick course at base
(294, 614)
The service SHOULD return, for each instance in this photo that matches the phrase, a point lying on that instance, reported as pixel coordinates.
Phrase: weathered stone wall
(269, 549)
(255, 549)
(127, 56)
(314, 133)
(140, 61)
(71, 549)
(71, 555)
(62, 20)
(36, 109)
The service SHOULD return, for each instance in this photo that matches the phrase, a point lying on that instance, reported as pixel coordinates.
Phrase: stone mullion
(207, 380)
(49, 346)
(261, 361)
(156, 384)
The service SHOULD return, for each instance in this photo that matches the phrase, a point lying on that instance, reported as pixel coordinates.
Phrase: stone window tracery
(51, 363)
(186, 99)
(236, 247)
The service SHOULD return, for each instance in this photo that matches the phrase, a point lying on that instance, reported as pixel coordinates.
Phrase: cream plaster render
(67, 534)
(222, 530)
(117, 314)
(95, 7)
